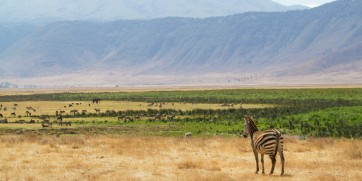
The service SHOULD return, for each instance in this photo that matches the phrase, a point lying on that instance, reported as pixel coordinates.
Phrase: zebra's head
(249, 126)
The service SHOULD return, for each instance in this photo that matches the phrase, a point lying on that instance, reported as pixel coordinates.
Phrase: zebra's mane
(251, 122)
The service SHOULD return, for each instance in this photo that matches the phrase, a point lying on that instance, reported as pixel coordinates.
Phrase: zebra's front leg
(262, 163)
(256, 161)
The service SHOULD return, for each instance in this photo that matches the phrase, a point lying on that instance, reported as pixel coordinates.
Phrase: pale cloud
(309, 3)
(312, 5)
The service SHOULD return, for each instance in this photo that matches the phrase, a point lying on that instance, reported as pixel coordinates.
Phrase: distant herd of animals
(45, 122)
(267, 142)
(59, 114)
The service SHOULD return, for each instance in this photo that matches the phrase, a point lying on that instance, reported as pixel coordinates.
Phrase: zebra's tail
(277, 142)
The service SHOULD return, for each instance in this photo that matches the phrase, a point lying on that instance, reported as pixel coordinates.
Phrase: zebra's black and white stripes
(264, 142)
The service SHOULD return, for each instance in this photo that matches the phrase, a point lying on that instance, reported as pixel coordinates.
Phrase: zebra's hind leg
(282, 160)
(262, 163)
(273, 164)
(256, 161)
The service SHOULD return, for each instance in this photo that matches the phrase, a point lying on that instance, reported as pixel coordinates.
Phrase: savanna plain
(139, 135)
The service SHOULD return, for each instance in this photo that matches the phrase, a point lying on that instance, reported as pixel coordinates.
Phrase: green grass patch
(329, 112)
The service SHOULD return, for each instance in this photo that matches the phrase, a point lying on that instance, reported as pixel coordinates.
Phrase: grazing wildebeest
(84, 111)
(60, 118)
(28, 113)
(46, 121)
(97, 110)
(67, 123)
(13, 114)
(121, 117)
(44, 116)
(158, 117)
(96, 100)
(30, 109)
(171, 117)
(74, 111)
(1, 115)
(32, 121)
(46, 125)
(20, 121)
(4, 121)
(127, 118)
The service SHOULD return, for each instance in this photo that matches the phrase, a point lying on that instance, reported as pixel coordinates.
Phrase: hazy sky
(309, 3)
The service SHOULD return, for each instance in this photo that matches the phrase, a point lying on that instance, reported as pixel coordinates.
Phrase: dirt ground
(89, 157)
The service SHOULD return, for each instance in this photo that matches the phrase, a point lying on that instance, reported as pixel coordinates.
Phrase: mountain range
(45, 11)
(319, 45)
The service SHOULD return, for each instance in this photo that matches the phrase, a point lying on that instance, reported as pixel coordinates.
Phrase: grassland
(50, 107)
(210, 95)
(322, 129)
(90, 157)
(321, 112)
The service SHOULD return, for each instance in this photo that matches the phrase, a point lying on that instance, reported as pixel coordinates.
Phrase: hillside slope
(323, 44)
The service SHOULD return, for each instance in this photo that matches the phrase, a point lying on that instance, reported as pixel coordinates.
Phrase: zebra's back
(268, 141)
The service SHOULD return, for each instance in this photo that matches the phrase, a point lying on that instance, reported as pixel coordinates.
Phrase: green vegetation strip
(306, 112)
(208, 96)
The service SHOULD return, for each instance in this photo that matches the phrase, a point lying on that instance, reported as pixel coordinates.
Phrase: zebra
(264, 142)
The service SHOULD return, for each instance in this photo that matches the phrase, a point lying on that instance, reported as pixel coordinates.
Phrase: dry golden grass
(82, 157)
